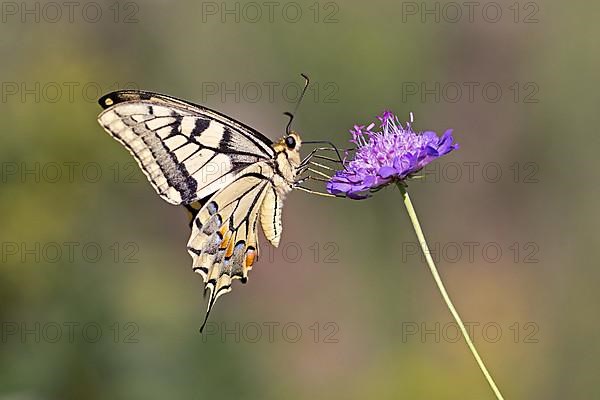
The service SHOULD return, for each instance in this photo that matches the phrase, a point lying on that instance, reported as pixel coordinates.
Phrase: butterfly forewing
(187, 151)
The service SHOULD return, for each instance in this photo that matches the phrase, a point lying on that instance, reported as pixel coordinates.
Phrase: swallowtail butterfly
(228, 175)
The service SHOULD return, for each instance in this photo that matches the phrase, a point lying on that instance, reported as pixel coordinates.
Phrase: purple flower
(390, 154)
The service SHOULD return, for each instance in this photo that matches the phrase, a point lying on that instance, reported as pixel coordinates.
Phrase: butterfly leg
(327, 158)
(306, 167)
(314, 151)
(321, 174)
(298, 185)
(316, 164)
(307, 190)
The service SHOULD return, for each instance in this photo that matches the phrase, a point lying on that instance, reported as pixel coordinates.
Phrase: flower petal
(386, 172)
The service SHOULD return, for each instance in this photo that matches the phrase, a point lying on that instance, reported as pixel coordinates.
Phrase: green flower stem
(438, 280)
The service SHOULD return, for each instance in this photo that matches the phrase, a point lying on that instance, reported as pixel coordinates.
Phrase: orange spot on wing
(226, 240)
(223, 230)
(250, 257)
(229, 251)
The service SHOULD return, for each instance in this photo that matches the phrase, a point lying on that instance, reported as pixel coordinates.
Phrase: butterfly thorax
(286, 162)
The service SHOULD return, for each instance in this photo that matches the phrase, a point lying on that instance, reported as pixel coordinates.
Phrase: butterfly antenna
(306, 83)
(291, 115)
(289, 124)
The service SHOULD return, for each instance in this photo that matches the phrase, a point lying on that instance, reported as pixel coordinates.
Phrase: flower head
(390, 154)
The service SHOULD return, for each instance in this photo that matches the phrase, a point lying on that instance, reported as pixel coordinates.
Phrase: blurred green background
(97, 298)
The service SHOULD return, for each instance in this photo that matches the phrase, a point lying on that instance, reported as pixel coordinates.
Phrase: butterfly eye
(290, 142)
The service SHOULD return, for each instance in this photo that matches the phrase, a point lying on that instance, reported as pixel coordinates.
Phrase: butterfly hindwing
(187, 151)
(224, 242)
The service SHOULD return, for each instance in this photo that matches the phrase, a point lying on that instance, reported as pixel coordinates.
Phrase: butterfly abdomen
(270, 216)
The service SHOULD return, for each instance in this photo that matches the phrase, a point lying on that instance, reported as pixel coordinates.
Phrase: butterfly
(229, 176)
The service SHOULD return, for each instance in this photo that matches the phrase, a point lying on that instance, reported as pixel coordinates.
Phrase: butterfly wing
(187, 151)
(224, 243)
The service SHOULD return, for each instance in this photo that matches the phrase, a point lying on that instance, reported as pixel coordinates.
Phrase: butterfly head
(290, 145)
